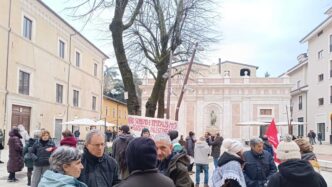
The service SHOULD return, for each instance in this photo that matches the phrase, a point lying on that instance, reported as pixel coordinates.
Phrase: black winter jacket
(147, 178)
(98, 171)
(258, 168)
(39, 149)
(293, 173)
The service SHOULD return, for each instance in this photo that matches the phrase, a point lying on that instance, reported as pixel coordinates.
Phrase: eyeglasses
(98, 145)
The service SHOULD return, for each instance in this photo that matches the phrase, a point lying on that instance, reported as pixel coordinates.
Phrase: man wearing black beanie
(141, 158)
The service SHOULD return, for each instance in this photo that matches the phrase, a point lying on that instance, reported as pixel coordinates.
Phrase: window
(330, 43)
(24, 83)
(61, 49)
(321, 101)
(78, 58)
(94, 102)
(95, 69)
(300, 127)
(113, 112)
(300, 102)
(76, 98)
(330, 94)
(320, 77)
(330, 68)
(298, 84)
(265, 112)
(320, 54)
(227, 73)
(27, 28)
(59, 93)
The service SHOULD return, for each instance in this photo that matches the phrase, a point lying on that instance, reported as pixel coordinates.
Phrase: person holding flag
(272, 136)
(259, 165)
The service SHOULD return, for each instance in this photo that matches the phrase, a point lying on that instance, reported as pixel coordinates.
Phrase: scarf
(230, 170)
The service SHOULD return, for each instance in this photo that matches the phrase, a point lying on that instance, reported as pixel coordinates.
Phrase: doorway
(21, 115)
(58, 130)
(321, 128)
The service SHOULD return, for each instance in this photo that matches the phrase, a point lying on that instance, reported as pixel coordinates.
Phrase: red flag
(272, 135)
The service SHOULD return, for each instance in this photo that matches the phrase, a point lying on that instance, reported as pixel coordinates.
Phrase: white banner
(155, 125)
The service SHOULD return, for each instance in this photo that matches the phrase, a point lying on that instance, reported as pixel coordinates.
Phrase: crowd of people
(163, 160)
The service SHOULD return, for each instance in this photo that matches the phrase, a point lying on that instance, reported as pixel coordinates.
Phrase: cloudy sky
(264, 33)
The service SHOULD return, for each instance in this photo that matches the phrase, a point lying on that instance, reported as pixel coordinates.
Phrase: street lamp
(185, 82)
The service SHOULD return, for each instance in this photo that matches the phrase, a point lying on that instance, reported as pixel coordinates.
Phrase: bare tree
(164, 27)
(117, 27)
(154, 29)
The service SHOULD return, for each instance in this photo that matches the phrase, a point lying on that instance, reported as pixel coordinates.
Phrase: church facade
(220, 96)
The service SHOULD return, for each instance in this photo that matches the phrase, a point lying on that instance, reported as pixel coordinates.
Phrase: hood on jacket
(308, 156)
(50, 178)
(69, 141)
(15, 132)
(124, 137)
(226, 157)
(297, 170)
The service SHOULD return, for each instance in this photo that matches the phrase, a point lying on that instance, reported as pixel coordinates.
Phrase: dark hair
(191, 133)
(173, 134)
(67, 133)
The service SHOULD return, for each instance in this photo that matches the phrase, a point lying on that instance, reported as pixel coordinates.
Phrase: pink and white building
(219, 96)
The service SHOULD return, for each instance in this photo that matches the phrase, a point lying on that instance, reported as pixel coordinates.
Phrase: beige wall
(40, 58)
(319, 114)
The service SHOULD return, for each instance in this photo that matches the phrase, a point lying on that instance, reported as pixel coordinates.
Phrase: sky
(264, 33)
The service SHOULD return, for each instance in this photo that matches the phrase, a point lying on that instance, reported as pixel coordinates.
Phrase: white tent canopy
(82, 121)
(102, 123)
(252, 123)
(285, 123)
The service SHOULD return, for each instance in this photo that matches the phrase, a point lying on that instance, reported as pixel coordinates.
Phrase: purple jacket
(16, 161)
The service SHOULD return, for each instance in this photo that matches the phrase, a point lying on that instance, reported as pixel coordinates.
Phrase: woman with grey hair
(65, 167)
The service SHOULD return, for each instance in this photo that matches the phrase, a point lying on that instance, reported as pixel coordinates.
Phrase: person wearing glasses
(99, 168)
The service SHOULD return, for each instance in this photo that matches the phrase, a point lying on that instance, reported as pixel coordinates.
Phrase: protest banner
(155, 125)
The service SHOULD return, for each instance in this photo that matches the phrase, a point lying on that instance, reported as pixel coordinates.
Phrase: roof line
(52, 11)
(188, 63)
(290, 70)
(227, 61)
(309, 35)
(115, 100)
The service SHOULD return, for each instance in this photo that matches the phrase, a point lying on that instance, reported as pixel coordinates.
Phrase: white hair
(91, 134)
(163, 137)
(255, 141)
(63, 155)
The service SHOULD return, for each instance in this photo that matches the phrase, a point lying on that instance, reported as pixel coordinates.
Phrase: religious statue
(213, 118)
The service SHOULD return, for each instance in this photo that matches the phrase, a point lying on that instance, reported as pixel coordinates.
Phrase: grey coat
(216, 145)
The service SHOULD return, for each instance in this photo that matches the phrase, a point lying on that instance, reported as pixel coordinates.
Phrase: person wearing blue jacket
(65, 168)
(259, 164)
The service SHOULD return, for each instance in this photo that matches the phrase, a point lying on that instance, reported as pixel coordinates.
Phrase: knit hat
(288, 149)
(232, 146)
(124, 129)
(141, 154)
(173, 134)
(305, 146)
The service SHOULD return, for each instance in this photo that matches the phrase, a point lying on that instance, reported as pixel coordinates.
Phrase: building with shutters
(49, 72)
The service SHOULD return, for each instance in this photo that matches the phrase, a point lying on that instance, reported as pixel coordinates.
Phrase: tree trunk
(117, 29)
(161, 101)
(157, 92)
